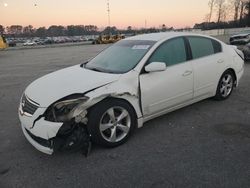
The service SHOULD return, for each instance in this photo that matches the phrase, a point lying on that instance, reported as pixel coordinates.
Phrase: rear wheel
(111, 122)
(225, 86)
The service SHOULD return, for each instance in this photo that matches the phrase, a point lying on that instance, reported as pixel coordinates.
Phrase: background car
(246, 51)
(11, 42)
(30, 43)
(129, 83)
(242, 38)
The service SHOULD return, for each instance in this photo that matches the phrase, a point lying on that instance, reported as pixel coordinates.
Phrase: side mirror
(155, 67)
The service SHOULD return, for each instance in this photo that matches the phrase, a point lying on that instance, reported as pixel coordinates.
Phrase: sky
(123, 13)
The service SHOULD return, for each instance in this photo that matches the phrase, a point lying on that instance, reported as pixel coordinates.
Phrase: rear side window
(201, 47)
(217, 46)
(171, 52)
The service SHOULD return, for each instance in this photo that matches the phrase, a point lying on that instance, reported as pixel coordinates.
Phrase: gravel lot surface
(204, 145)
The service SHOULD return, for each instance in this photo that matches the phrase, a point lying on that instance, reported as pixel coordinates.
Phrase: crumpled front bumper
(38, 146)
(40, 133)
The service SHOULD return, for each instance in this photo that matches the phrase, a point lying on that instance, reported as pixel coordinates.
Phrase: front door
(174, 86)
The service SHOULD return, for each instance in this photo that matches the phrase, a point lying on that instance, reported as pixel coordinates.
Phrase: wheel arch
(218, 95)
(234, 74)
(123, 99)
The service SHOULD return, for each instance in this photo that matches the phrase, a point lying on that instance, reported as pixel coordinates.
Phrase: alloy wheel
(226, 85)
(115, 124)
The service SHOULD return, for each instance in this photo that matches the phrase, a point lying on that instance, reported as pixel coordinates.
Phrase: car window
(171, 52)
(217, 46)
(201, 46)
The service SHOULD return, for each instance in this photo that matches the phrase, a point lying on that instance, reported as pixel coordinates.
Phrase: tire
(104, 125)
(225, 86)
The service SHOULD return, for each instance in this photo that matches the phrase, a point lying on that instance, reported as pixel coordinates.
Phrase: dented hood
(54, 86)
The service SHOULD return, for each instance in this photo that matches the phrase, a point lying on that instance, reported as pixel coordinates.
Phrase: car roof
(162, 36)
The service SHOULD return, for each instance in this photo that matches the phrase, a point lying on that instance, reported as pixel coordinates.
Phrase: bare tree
(248, 12)
(15, 29)
(163, 28)
(211, 4)
(220, 8)
(243, 4)
(28, 30)
(207, 18)
(236, 4)
(2, 29)
(224, 14)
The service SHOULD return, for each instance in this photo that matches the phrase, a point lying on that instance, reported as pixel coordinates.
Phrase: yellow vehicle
(3, 43)
(106, 39)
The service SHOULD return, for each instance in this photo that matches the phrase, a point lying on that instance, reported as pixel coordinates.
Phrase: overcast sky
(176, 13)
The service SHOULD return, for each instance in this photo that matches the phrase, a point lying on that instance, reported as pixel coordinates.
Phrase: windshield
(120, 57)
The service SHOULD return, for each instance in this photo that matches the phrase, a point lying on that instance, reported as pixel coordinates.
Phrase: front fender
(127, 88)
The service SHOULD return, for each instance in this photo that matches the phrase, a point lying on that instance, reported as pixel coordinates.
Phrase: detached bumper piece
(72, 137)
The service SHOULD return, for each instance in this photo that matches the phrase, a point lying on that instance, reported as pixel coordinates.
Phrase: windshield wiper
(95, 69)
(83, 64)
(99, 69)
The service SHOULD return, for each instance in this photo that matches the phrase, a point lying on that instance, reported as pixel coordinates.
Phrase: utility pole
(108, 9)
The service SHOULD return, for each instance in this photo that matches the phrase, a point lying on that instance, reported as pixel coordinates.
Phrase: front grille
(29, 106)
(41, 141)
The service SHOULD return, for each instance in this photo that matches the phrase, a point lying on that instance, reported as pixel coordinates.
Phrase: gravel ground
(204, 145)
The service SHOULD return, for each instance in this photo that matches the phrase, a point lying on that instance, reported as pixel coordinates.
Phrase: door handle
(186, 73)
(220, 61)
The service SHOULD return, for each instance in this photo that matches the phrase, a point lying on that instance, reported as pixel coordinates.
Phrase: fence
(217, 32)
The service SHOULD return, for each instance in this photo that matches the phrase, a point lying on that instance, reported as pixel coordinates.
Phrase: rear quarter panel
(234, 61)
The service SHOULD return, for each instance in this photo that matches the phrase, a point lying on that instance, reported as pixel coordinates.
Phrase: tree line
(52, 31)
(226, 14)
(73, 30)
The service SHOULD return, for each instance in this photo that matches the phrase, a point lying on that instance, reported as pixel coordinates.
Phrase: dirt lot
(203, 145)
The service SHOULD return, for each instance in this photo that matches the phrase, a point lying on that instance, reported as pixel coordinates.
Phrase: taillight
(240, 53)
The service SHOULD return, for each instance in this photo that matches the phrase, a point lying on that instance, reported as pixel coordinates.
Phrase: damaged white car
(129, 83)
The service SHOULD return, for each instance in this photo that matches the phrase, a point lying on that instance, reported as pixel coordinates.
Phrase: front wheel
(111, 122)
(225, 86)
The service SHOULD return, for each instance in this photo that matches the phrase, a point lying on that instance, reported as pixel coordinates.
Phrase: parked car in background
(30, 43)
(11, 42)
(129, 83)
(246, 51)
(241, 38)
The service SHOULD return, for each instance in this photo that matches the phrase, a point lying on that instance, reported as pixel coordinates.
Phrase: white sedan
(29, 43)
(129, 83)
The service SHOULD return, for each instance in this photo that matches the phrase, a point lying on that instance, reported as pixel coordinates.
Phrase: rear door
(208, 64)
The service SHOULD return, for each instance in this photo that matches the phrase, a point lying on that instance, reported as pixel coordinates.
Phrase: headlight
(61, 110)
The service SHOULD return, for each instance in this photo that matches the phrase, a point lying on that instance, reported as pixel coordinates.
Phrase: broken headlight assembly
(64, 109)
